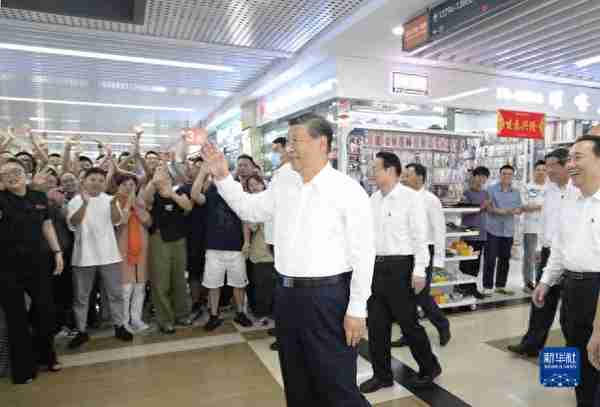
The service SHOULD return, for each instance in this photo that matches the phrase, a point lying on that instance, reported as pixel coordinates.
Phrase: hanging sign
(521, 124)
(452, 15)
(416, 32)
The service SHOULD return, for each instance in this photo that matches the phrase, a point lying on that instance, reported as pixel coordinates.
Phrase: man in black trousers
(575, 257)
(559, 192)
(436, 241)
(324, 255)
(399, 276)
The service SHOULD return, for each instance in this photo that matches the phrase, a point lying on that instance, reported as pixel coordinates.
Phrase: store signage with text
(416, 32)
(411, 84)
(512, 123)
(454, 14)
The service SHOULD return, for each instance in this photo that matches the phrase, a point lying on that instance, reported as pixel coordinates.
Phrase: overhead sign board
(521, 124)
(410, 84)
(416, 32)
(454, 14)
(126, 11)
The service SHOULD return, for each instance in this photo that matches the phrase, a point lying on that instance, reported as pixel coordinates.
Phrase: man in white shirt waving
(399, 276)
(324, 253)
(576, 255)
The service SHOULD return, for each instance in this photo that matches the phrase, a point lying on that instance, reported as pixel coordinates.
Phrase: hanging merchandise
(448, 156)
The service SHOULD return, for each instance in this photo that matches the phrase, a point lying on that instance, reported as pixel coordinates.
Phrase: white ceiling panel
(248, 37)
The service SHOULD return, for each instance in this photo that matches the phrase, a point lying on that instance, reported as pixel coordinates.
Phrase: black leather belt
(392, 259)
(588, 275)
(312, 282)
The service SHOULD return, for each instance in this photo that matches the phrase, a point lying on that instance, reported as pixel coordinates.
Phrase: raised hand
(109, 152)
(57, 196)
(85, 197)
(41, 178)
(216, 161)
(138, 130)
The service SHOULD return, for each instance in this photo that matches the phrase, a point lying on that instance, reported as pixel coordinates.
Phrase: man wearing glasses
(24, 222)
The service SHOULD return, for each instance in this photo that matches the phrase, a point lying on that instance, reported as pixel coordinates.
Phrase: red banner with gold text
(521, 124)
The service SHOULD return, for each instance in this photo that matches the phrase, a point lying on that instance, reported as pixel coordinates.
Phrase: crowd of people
(115, 236)
(309, 249)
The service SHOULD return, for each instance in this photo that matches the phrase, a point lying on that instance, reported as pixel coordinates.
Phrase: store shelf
(469, 301)
(462, 234)
(454, 282)
(461, 210)
(460, 258)
(383, 127)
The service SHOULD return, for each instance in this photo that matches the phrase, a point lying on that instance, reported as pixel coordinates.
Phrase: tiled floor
(235, 367)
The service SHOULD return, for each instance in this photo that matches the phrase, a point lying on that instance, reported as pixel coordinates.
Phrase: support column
(254, 135)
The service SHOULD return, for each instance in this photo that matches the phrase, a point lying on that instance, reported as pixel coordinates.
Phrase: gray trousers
(83, 282)
(529, 247)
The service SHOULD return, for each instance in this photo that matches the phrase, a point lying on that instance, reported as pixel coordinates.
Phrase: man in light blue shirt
(505, 205)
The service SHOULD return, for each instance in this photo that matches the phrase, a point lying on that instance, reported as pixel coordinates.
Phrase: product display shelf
(459, 258)
(453, 282)
(460, 211)
(462, 234)
(467, 301)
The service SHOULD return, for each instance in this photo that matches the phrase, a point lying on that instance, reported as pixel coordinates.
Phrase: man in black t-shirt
(196, 235)
(224, 241)
(24, 225)
(168, 251)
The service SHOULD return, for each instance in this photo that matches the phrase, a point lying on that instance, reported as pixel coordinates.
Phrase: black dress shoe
(167, 329)
(523, 350)
(445, 337)
(374, 384)
(426, 380)
(123, 334)
(399, 343)
(213, 323)
(78, 340)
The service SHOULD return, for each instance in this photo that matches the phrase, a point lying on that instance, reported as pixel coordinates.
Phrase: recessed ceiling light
(588, 61)
(94, 143)
(96, 133)
(461, 95)
(399, 30)
(95, 104)
(115, 57)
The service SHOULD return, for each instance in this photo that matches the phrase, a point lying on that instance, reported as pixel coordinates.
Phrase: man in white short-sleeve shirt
(92, 216)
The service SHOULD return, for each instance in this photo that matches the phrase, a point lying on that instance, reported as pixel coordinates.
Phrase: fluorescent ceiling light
(93, 143)
(461, 95)
(95, 133)
(114, 57)
(230, 114)
(588, 61)
(95, 104)
(399, 30)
